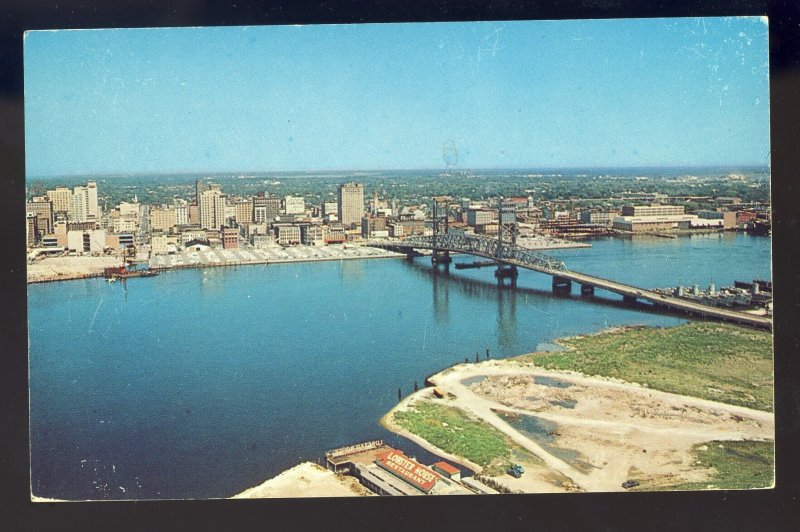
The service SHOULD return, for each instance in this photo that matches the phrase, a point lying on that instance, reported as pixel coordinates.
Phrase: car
(630, 484)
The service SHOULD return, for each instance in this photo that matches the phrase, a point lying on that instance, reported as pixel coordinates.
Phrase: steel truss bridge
(510, 256)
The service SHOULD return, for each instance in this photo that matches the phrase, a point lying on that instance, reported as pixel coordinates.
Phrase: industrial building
(652, 210)
(649, 224)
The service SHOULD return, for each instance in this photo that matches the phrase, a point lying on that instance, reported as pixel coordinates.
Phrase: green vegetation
(713, 361)
(453, 431)
(737, 465)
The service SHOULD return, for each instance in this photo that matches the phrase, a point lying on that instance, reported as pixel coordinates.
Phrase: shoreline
(306, 479)
(423, 393)
(60, 276)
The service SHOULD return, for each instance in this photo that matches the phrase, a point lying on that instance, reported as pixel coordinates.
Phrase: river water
(202, 383)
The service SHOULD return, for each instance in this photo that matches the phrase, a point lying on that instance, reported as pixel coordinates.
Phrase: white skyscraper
(80, 205)
(212, 209)
(91, 200)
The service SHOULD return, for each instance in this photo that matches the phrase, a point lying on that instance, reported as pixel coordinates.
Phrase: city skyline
(535, 94)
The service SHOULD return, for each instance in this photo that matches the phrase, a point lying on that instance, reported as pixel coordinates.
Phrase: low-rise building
(598, 217)
(477, 217)
(287, 234)
(312, 235)
(371, 224)
(92, 241)
(334, 233)
(645, 224)
(230, 238)
(396, 230)
(294, 205)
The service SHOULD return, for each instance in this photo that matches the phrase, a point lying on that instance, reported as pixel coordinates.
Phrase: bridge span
(509, 256)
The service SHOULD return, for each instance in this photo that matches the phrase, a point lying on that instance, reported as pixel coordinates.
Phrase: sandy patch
(306, 480)
(51, 268)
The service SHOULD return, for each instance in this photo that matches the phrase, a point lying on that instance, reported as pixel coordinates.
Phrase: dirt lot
(596, 432)
(52, 268)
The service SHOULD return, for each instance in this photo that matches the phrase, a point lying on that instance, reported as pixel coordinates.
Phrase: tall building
(265, 209)
(244, 211)
(200, 186)
(80, 205)
(42, 208)
(91, 200)
(212, 209)
(181, 212)
(61, 198)
(84, 203)
(351, 203)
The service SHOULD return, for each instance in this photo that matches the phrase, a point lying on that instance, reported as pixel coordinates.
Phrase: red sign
(412, 472)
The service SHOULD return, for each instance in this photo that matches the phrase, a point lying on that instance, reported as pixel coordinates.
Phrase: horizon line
(420, 169)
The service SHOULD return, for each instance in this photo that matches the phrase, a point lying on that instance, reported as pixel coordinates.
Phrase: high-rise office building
(80, 205)
(91, 200)
(212, 209)
(351, 203)
(84, 205)
(181, 212)
(244, 211)
(61, 198)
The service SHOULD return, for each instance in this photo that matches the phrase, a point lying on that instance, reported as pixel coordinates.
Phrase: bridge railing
(487, 247)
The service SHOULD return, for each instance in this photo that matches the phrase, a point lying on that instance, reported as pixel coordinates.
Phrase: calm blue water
(201, 383)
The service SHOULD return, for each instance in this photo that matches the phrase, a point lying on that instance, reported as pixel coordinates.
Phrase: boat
(122, 272)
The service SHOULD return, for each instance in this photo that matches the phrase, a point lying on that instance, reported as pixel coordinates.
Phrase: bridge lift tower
(440, 228)
(506, 232)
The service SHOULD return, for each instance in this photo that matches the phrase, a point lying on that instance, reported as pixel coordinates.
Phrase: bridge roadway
(563, 277)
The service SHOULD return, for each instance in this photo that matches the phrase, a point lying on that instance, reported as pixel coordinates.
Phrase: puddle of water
(469, 381)
(551, 381)
(564, 403)
(543, 432)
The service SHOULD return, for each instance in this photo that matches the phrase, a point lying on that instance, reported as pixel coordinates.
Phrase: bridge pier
(504, 272)
(561, 286)
(587, 290)
(440, 257)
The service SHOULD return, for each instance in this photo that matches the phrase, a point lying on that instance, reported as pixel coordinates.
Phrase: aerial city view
(399, 259)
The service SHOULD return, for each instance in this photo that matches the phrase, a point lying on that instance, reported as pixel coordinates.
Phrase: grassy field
(713, 361)
(737, 465)
(453, 431)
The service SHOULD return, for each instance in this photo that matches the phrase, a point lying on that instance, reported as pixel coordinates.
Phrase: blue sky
(646, 92)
